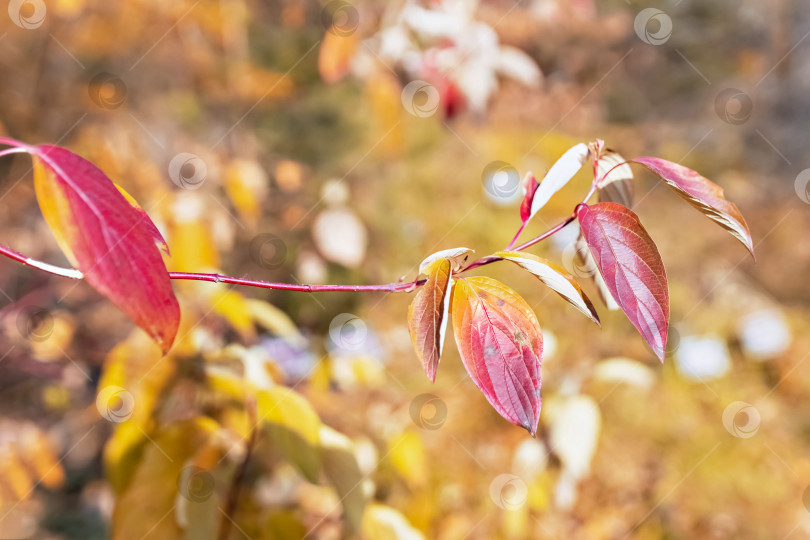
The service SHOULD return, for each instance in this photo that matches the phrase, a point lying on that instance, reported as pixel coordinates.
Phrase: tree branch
(395, 287)
(407, 286)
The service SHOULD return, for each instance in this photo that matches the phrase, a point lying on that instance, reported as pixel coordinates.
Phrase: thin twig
(517, 235)
(219, 278)
(9, 151)
(395, 287)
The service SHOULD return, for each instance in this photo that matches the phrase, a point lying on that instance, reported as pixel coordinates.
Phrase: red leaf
(113, 243)
(631, 267)
(704, 195)
(530, 185)
(501, 345)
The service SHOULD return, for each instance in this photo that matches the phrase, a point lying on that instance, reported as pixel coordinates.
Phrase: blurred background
(334, 142)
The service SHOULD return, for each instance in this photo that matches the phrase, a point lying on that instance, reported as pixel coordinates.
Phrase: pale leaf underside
(559, 175)
(555, 278)
(456, 256)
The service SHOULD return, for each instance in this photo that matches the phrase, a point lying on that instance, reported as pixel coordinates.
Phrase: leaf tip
(430, 371)
(166, 345)
(661, 351)
(750, 246)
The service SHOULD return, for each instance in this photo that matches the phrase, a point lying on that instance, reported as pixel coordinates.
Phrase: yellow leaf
(122, 453)
(192, 247)
(233, 307)
(341, 468)
(226, 382)
(385, 95)
(516, 522)
(407, 455)
(138, 366)
(237, 421)
(320, 379)
(382, 522)
(15, 477)
(293, 427)
(133, 380)
(144, 508)
(273, 319)
(246, 186)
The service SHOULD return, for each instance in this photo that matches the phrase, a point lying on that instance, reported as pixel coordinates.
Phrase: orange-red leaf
(113, 243)
(631, 267)
(427, 316)
(704, 195)
(501, 345)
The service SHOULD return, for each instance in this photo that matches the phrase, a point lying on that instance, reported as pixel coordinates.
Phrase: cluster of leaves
(497, 333)
(193, 464)
(113, 243)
